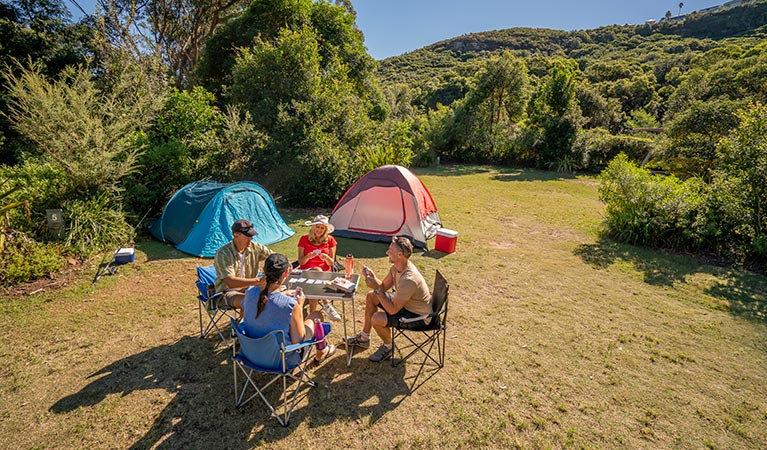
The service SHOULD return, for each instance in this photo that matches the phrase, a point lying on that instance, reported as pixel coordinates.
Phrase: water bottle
(349, 265)
(319, 334)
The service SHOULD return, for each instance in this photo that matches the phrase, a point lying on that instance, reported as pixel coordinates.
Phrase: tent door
(379, 210)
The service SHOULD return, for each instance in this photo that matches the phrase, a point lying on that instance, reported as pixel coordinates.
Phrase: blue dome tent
(198, 218)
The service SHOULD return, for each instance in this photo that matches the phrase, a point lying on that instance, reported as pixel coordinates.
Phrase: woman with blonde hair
(317, 251)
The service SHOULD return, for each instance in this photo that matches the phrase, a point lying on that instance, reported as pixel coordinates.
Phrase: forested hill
(663, 42)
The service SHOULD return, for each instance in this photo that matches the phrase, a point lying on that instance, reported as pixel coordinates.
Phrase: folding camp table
(313, 283)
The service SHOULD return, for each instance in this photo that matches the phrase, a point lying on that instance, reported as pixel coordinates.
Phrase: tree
(309, 108)
(84, 132)
(173, 30)
(681, 4)
(339, 42)
(557, 117)
(486, 119)
(39, 31)
(739, 201)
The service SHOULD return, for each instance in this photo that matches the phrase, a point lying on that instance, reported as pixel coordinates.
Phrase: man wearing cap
(237, 264)
(411, 298)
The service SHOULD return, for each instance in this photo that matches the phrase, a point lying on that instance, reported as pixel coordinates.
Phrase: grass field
(557, 338)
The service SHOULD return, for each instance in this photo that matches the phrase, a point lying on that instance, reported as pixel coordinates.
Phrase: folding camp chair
(206, 278)
(426, 337)
(337, 266)
(271, 355)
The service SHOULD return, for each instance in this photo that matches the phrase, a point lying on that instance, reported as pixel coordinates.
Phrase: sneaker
(383, 353)
(357, 341)
(331, 312)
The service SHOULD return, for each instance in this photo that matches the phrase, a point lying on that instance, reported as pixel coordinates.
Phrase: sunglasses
(396, 240)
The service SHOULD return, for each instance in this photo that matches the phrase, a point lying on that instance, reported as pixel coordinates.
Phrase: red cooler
(446, 240)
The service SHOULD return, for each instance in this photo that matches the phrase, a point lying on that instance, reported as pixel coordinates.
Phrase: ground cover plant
(557, 338)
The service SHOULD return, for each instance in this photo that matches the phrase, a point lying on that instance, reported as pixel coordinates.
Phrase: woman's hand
(327, 259)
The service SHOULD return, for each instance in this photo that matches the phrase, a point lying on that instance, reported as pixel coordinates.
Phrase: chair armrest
(415, 319)
(299, 346)
(421, 317)
(212, 302)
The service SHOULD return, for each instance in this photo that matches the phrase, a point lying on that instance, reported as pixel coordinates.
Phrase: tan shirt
(228, 263)
(409, 284)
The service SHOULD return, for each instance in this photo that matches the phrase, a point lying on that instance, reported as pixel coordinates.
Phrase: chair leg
(214, 317)
(199, 310)
(393, 348)
(287, 401)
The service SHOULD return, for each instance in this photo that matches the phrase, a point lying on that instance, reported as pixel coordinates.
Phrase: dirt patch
(70, 273)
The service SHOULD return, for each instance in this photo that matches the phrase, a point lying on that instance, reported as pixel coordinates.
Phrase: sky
(394, 27)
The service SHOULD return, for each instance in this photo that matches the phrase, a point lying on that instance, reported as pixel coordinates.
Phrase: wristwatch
(377, 290)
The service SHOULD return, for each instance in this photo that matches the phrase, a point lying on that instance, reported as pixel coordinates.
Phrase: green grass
(557, 338)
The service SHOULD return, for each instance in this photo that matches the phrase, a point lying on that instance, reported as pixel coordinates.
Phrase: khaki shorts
(226, 299)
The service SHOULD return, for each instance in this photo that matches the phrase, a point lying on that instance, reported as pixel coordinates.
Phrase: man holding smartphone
(410, 298)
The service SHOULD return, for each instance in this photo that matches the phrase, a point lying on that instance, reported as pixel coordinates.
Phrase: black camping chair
(424, 338)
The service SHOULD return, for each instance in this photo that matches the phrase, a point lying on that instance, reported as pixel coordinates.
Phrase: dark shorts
(392, 320)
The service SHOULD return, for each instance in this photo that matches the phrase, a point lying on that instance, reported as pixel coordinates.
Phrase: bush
(24, 260)
(84, 132)
(652, 210)
(600, 147)
(94, 225)
(165, 167)
(38, 187)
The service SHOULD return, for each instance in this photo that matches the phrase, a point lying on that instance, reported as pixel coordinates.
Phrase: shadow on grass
(157, 251)
(745, 292)
(434, 254)
(532, 175)
(451, 170)
(201, 413)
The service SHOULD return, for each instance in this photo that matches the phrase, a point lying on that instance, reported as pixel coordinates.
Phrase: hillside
(657, 44)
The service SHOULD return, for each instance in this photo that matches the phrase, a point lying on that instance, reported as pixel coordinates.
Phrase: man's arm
(373, 282)
(404, 291)
(237, 282)
(393, 305)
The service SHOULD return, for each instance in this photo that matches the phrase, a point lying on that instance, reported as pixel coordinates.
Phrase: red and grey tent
(385, 202)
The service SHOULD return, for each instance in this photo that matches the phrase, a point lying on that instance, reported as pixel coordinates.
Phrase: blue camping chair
(206, 279)
(273, 355)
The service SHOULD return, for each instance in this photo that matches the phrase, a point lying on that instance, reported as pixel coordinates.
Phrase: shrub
(38, 187)
(81, 130)
(22, 259)
(94, 225)
(165, 167)
(600, 147)
(652, 210)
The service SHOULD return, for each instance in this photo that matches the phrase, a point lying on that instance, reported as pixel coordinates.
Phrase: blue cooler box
(125, 255)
